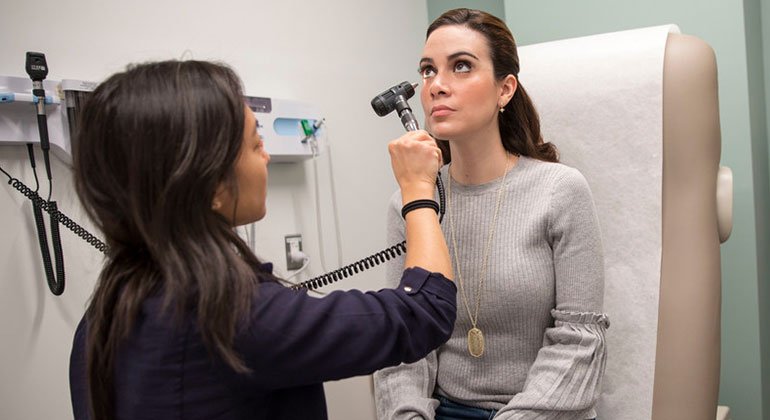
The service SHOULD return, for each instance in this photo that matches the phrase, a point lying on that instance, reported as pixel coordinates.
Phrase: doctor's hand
(415, 159)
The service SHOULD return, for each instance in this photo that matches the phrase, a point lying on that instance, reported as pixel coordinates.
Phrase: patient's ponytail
(520, 123)
(520, 129)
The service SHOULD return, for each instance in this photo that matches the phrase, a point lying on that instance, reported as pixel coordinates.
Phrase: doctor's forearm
(425, 242)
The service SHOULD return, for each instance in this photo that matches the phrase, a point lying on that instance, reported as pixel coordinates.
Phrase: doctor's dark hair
(519, 124)
(153, 145)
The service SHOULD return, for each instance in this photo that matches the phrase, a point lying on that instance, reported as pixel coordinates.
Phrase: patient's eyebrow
(460, 53)
(449, 57)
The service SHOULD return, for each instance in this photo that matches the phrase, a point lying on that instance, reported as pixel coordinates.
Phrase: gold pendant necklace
(475, 336)
(475, 342)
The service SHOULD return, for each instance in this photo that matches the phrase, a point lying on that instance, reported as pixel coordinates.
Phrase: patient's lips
(441, 110)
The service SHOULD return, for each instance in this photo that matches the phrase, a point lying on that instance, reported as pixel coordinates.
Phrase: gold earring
(502, 108)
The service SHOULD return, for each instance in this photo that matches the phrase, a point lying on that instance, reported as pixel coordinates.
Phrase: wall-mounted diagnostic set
(38, 111)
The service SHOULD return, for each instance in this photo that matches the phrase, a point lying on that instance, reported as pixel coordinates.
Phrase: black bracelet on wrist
(418, 204)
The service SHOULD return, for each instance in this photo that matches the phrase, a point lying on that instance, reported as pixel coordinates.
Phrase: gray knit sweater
(541, 302)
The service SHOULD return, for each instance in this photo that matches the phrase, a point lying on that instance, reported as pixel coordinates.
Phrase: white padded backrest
(600, 102)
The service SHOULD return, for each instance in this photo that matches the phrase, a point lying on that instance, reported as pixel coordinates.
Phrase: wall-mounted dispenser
(286, 127)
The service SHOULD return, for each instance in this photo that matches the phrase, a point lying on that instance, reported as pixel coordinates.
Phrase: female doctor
(185, 322)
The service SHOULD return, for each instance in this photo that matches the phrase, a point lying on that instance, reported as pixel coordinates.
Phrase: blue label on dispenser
(291, 126)
(7, 97)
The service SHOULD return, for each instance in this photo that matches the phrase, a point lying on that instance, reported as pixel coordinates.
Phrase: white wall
(336, 54)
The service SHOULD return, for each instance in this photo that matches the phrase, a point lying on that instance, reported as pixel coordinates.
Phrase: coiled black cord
(57, 287)
(350, 269)
(441, 198)
(56, 215)
(55, 283)
(373, 260)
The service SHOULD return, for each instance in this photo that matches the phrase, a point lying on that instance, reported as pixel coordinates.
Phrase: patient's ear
(508, 87)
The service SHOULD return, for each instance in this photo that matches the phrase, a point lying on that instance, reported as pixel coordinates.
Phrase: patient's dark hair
(519, 124)
(153, 144)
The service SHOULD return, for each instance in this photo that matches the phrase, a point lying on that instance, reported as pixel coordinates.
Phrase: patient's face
(460, 95)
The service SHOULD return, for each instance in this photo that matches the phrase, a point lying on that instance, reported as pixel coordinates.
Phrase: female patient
(529, 339)
(185, 322)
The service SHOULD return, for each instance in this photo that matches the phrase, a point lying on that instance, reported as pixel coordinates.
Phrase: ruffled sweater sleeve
(565, 380)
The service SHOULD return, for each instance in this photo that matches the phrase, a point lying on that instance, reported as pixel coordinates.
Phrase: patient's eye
(427, 72)
(462, 66)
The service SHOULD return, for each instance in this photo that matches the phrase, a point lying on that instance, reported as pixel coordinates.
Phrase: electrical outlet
(293, 243)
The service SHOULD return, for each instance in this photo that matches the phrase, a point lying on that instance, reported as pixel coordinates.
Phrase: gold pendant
(475, 342)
